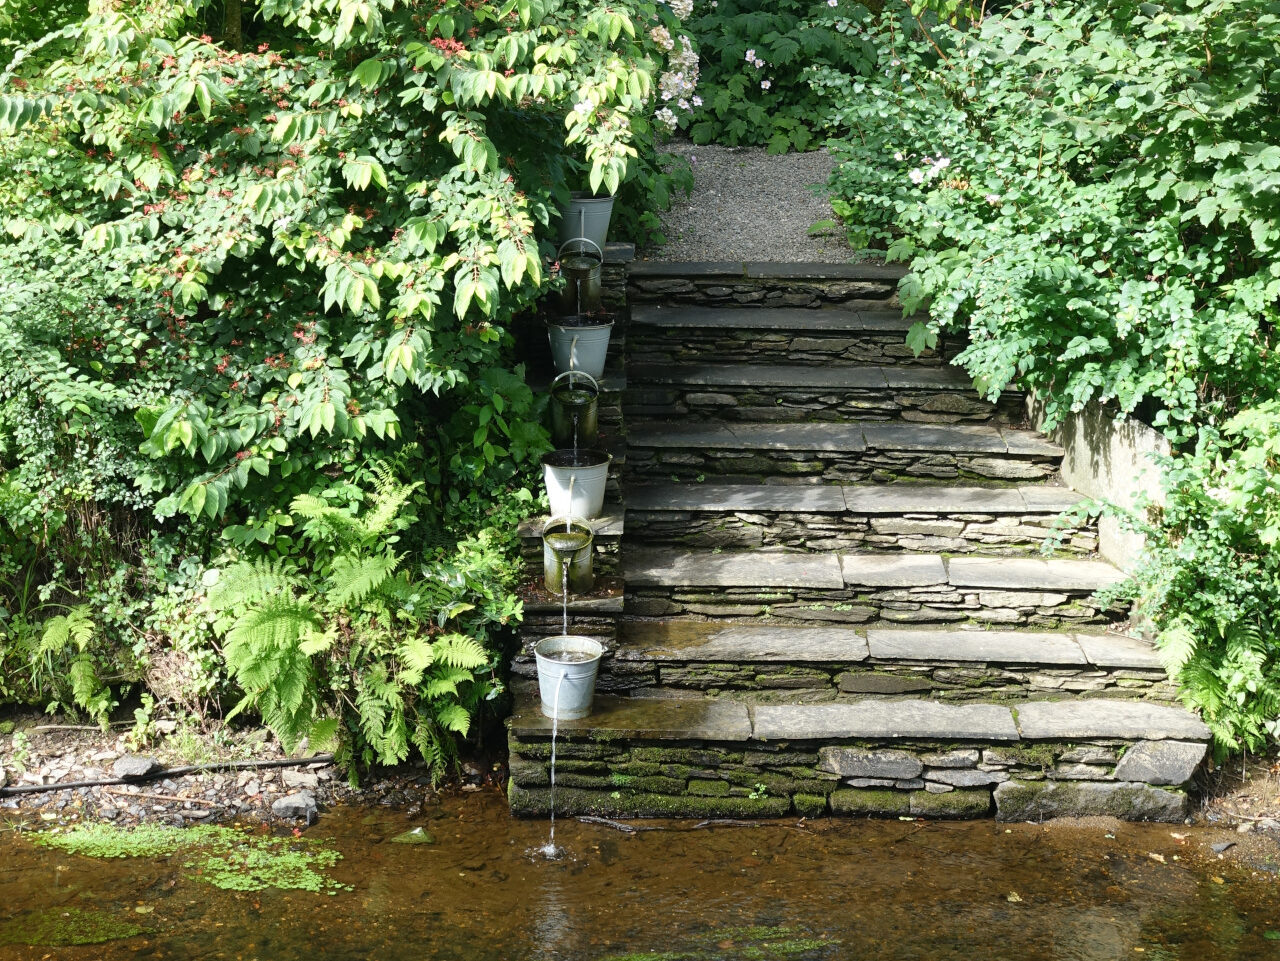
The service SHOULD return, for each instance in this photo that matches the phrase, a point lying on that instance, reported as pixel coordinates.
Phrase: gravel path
(748, 205)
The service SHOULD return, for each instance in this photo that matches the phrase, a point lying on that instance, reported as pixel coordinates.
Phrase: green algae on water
(55, 928)
(223, 857)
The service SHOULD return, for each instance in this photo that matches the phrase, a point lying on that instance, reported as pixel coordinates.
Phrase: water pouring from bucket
(574, 410)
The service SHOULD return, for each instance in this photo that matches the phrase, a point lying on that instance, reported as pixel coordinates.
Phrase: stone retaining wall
(1021, 781)
(675, 345)
(775, 404)
(727, 290)
(874, 465)
(953, 533)
(940, 604)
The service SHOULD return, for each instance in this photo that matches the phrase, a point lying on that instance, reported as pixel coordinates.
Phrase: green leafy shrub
(1089, 191)
(342, 645)
(759, 61)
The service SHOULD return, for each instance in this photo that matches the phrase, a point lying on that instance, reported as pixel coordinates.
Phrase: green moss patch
(226, 858)
(58, 928)
(762, 943)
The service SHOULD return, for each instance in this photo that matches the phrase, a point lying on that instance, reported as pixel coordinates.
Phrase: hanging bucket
(586, 216)
(574, 420)
(581, 264)
(575, 481)
(567, 541)
(567, 666)
(579, 343)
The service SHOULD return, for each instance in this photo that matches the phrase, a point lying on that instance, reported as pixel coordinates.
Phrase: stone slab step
(849, 451)
(762, 284)
(888, 500)
(675, 569)
(851, 589)
(797, 320)
(800, 377)
(759, 270)
(708, 756)
(682, 640)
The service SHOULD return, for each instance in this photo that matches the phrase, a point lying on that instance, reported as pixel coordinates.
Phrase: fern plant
(345, 647)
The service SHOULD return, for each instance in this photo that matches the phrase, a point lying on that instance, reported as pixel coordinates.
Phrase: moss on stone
(641, 769)
(809, 805)
(967, 803)
(697, 757)
(54, 927)
(541, 750)
(536, 802)
(870, 801)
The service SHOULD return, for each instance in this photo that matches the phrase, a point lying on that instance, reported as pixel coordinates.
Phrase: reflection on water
(876, 890)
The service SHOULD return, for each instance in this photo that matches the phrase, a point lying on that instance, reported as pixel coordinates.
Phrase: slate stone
(892, 570)
(833, 438)
(134, 766)
(944, 438)
(871, 782)
(802, 270)
(795, 498)
(852, 683)
(859, 763)
(997, 647)
(774, 318)
(1030, 443)
(795, 377)
(1091, 754)
(691, 269)
(699, 719)
(299, 779)
(933, 499)
(1082, 772)
(875, 801)
(1161, 762)
(1019, 800)
(1099, 718)
(301, 804)
(973, 803)
(951, 759)
(1042, 498)
(1119, 650)
(666, 568)
(966, 777)
(884, 719)
(1032, 574)
(911, 377)
(693, 641)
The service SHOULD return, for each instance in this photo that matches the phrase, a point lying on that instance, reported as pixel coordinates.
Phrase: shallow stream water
(874, 890)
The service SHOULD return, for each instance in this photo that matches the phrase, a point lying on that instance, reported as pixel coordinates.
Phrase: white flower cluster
(677, 83)
(930, 169)
(662, 37)
(681, 8)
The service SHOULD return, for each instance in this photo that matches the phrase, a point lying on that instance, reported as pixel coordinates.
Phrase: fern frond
(390, 497)
(243, 584)
(1175, 646)
(76, 625)
(262, 633)
(353, 578)
(328, 522)
(459, 650)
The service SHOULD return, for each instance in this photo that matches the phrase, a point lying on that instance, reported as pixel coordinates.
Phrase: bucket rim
(573, 520)
(600, 325)
(590, 642)
(598, 255)
(600, 458)
(595, 384)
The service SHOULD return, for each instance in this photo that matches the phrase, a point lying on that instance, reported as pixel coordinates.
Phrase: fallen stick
(168, 772)
(163, 797)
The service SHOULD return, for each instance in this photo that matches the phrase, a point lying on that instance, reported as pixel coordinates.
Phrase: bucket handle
(580, 240)
(571, 374)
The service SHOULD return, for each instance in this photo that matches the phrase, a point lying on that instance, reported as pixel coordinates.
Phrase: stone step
(857, 588)
(788, 392)
(861, 332)
(710, 757)
(764, 284)
(848, 451)
(759, 661)
(858, 517)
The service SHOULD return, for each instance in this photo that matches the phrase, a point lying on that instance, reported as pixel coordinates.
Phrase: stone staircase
(827, 592)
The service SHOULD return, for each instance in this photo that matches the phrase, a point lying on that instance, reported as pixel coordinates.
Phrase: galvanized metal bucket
(567, 665)
(580, 343)
(586, 216)
(575, 481)
(567, 550)
(574, 417)
(581, 262)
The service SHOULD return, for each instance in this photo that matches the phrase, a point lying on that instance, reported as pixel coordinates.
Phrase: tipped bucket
(586, 216)
(575, 481)
(566, 547)
(579, 343)
(567, 665)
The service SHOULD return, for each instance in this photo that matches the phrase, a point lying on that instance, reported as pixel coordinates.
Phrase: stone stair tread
(1133, 720)
(702, 641)
(907, 719)
(1032, 573)
(800, 319)
(904, 498)
(850, 436)
(802, 377)
(650, 718)
(765, 270)
(648, 568)
(659, 567)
